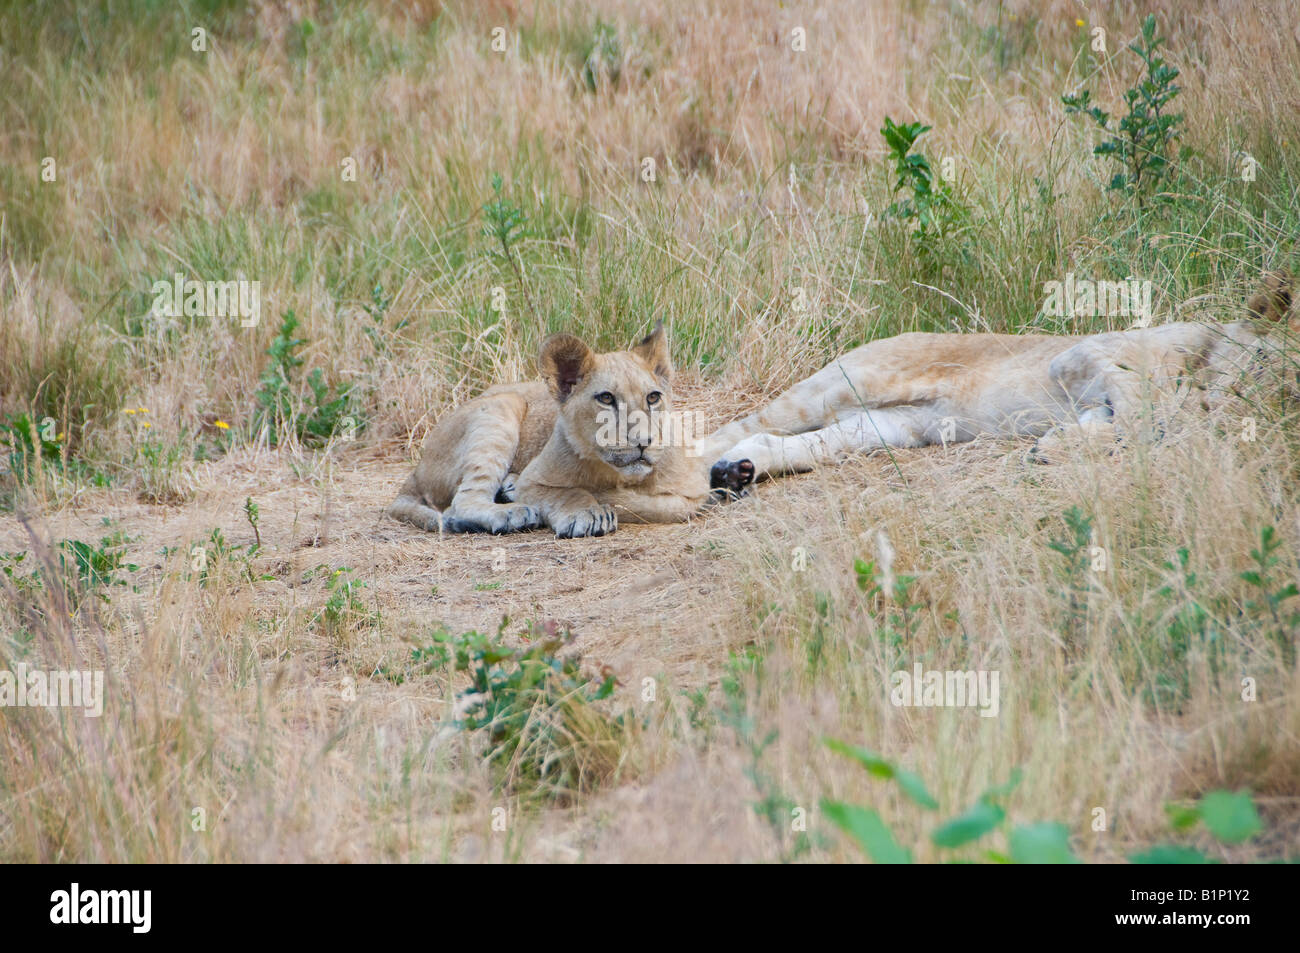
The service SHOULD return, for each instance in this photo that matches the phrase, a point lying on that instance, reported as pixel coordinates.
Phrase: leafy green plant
(1141, 141)
(815, 644)
(506, 221)
(535, 708)
(253, 514)
(507, 224)
(82, 568)
(774, 806)
(96, 566)
(875, 838)
(1190, 626)
(206, 559)
(903, 617)
(602, 62)
(1272, 593)
(28, 448)
(929, 204)
(321, 415)
(344, 608)
(11, 567)
(1075, 548)
(377, 309)
(699, 713)
(159, 468)
(1229, 817)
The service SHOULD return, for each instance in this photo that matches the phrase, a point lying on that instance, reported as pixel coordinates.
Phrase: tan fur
(918, 389)
(571, 476)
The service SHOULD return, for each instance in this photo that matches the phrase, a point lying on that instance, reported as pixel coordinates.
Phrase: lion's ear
(565, 360)
(1272, 302)
(653, 350)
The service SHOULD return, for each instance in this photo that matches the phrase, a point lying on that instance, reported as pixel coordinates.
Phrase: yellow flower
(223, 425)
(146, 424)
(128, 411)
(144, 410)
(1078, 22)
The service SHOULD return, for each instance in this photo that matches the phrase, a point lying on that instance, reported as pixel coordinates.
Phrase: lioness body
(575, 473)
(918, 389)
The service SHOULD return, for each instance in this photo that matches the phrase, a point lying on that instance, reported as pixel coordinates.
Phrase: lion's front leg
(765, 454)
(640, 507)
(571, 512)
(1094, 431)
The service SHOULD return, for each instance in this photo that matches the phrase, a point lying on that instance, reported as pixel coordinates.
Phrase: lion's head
(615, 408)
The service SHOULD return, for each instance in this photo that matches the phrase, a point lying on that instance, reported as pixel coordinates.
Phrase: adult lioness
(584, 457)
(918, 389)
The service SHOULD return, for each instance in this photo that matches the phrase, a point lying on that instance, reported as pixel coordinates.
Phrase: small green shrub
(343, 611)
(1075, 549)
(602, 62)
(1141, 142)
(160, 468)
(206, 559)
(253, 514)
(932, 206)
(30, 448)
(1272, 589)
(377, 309)
(773, 806)
(81, 569)
(898, 627)
(314, 419)
(535, 708)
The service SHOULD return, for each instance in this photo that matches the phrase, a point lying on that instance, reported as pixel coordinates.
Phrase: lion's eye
(653, 397)
(605, 397)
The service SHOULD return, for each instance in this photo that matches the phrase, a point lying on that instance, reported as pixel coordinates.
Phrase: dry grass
(308, 734)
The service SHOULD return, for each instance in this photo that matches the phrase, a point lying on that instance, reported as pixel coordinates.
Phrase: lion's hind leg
(409, 508)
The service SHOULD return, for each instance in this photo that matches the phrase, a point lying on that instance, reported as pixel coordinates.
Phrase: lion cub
(583, 456)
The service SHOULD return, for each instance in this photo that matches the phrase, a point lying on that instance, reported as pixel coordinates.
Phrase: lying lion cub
(917, 389)
(575, 472)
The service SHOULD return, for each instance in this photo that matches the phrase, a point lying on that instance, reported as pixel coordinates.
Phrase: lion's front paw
(1090, 440)
(729, 478)
(519, 518)
(494, 519)
(1044, 451)
(593, 521)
